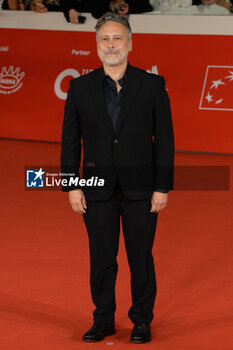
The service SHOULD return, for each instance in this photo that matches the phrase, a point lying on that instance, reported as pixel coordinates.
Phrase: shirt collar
(121, 81)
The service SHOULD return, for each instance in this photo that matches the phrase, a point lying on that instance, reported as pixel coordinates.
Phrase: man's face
(113, 43)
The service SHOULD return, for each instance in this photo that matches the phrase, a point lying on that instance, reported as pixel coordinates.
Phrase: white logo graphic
(73, 180)
(217, 89)
(10, 80)
(80, 52)
(4, 48)
(57, 86)
(153, 70)
(66, 73)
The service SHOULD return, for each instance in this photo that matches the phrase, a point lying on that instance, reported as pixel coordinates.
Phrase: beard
(112, 57)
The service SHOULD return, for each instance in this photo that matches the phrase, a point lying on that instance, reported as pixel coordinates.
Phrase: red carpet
(45, 301)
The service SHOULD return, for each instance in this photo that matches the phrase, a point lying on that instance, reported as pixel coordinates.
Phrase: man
(122, 114)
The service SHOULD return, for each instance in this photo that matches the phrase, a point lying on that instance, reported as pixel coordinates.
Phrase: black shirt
(113, 98)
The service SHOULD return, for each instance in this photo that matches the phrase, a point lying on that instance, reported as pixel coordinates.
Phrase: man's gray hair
(116, 17)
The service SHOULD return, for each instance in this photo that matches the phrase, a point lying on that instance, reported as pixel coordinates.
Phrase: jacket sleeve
(71, 142)
(163, 139)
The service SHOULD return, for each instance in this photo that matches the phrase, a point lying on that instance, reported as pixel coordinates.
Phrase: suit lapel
(132, 85)
(97, 94)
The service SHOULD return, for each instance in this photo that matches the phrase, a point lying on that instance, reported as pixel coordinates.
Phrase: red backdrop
(198, 70)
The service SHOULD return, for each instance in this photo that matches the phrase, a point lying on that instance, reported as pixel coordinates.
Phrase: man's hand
(78, 201)
(158, 201)
(73, 15)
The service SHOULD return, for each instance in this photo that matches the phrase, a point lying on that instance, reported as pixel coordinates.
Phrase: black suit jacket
(140, 153)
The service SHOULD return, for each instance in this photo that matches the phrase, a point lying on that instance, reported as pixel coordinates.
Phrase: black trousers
(102, 221)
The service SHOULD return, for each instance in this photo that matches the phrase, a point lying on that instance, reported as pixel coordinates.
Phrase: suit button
(115, 142)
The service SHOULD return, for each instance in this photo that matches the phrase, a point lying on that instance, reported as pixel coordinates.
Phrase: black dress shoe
(98, 331)
(141, 333)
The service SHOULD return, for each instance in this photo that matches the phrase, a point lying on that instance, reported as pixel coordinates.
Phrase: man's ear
(130, 45)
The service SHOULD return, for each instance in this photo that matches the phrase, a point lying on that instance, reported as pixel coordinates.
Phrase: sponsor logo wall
(35, 71)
